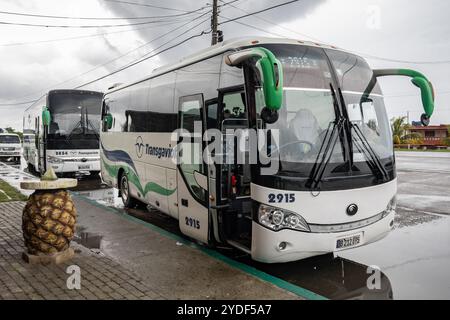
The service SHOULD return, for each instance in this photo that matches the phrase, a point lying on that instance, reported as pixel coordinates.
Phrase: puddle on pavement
(89, 240)
(416, 259)
(333, 278)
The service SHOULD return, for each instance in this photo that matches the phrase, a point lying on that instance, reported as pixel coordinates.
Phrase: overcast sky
(32, 62)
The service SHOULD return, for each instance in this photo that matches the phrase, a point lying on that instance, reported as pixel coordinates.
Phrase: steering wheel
(311, 146)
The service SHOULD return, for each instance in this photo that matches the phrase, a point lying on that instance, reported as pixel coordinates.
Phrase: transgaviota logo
(139, 147)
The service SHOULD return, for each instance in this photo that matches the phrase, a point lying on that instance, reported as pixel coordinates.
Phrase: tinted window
(354, 74)
(9, 139)
(116, 104)
(75, 120)
(303, 66)
(136, 110)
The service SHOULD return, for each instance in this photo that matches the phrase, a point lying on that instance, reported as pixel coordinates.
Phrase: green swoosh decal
(154, 187)
(113, 171)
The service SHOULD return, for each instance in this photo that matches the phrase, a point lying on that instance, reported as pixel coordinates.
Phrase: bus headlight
(55, 160)
(278, 219)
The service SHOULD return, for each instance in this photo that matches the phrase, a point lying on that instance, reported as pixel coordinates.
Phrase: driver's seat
(305, 126)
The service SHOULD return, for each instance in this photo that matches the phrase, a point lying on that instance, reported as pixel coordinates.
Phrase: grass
(420, 150)
(9, 193)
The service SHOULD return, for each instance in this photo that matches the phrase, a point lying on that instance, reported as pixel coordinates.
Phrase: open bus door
(232, 177)
(192, 181)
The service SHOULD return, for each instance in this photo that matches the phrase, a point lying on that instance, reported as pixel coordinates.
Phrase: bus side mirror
(271, 71)
(46, 117)
(108, 120)
(420, 81)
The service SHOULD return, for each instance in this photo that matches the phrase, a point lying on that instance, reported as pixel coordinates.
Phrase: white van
(10, 147)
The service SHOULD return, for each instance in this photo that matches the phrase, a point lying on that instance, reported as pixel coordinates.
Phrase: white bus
(335, 182)
(69, 142)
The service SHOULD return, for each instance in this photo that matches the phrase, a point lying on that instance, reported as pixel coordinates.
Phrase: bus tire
(124, 187)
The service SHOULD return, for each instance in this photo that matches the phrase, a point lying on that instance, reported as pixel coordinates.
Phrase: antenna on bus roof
(115, 85)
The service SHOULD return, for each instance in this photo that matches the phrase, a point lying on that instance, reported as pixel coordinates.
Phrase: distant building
(432, 135)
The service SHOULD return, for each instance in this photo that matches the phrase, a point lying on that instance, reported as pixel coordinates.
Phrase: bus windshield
(75, 120)
(9, 139)
(308, 115)
(366, 111)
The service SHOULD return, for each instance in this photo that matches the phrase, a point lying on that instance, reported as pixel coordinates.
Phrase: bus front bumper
(288, 245)
(75, 166)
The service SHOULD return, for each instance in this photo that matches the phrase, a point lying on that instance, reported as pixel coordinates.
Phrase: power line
(227, 3)
(260, 11)
(149, 57)
(95, 34)
(315, 39)
(145, 5)
(132, 63)
(80, 26)
(98, 18)
(125, 54)
(271, 22)
(256, 28)
(17, 103)
(119, 57)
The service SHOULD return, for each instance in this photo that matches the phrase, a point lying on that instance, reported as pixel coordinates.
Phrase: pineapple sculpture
(49, 217)
(48, 222)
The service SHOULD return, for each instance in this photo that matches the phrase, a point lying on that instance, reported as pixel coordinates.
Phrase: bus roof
(228, 45)
(60, 91)
(73, 91)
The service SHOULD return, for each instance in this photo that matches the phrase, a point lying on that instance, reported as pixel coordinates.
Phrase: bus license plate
(84, 167)
(349, 242)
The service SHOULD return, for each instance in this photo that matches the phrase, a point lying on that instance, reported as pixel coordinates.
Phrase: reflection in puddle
(333, 278)
(88, 239)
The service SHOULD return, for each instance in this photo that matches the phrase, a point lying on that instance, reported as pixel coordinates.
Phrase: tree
(400, 131)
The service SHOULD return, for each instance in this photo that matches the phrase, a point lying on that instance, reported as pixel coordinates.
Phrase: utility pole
(214, 23)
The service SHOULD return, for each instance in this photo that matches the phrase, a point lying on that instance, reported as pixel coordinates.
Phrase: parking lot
(414, 259)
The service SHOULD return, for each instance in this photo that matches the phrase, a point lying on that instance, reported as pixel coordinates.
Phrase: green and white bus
(326, 143)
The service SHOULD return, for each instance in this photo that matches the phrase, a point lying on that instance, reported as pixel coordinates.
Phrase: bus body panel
(322, 207)
(74, 160)
(145, 157)
(301, 245)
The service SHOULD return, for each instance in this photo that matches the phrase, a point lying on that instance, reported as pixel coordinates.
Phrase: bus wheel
(127, 199)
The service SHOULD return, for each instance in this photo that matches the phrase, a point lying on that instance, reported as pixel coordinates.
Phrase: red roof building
(432, 135)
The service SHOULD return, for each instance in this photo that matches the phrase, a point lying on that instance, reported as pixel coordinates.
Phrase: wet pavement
(414, 259)
(416, 255)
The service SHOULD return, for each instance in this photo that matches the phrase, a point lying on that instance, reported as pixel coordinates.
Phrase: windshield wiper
(79, 124)
(94, 130)
(373, 159)
(327, 146)
(374, 162)
(89, 123)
